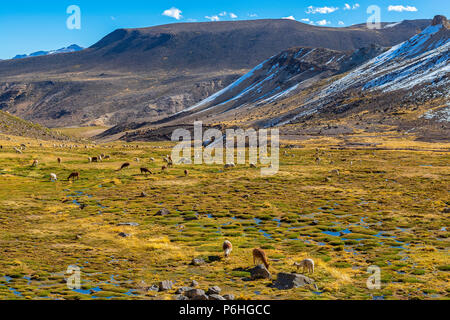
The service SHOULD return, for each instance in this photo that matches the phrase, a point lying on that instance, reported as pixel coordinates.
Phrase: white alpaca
(53, 177)
(307, 264)
(227, 248)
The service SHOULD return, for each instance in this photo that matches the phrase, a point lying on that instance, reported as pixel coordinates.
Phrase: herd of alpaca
(260, 256)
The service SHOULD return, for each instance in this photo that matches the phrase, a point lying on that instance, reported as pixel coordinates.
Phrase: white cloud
(252, 15)
(322, 10)
(113, 18)
(289, 18)
(173, 13)
(402, 8)
(341, 23)
(233, 16)
(349, 7)
(323, 22)
(222, 14)
(213, 18)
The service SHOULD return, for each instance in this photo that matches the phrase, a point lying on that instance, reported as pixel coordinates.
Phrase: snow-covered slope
(425, 58)
(71, 48)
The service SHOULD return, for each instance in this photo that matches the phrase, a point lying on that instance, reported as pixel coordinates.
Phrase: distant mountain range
(406, 87)
(139, 75)
(71, 48)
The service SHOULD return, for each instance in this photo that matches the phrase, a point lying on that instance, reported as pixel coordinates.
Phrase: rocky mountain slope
(405, 88)
(137, 75)
(14, 126)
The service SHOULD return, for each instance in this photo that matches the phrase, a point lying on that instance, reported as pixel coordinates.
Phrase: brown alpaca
(227, 248)
(94, 159)
(73, 176)
(163, 168)
(186, 173)
(59, 160)
(259, 254)
(170, 164)
(146, 171)
(125, 165)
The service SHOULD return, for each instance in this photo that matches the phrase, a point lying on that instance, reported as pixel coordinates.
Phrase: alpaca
(35, 163)
(73, 176)
(59, 160)
(146, 171)
(125, 165)
(227, 248)
(53, 177)
(307, 264)
(163, 168)
(186, 173)
(259, 254)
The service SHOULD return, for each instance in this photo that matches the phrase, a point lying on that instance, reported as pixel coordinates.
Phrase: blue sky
(30, 25)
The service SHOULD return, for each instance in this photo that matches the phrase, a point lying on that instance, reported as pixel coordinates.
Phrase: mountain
(320, 91)
(71, 48)
(138, 75)
(11, 125)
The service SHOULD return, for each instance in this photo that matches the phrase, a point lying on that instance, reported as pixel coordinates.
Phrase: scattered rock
(181, 297)
(183, 289)
(200, 297)
(193, 293)
(291, 280)
(124, 235)
(216, 297)
(165, 285)
(153, 288)
(194, 284)
(260, 272)
(229, 296)
(163, 212)
(198, 261)
(130, 224)
(214, 290)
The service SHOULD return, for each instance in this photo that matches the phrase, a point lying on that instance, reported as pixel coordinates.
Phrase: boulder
(193, 293)
(183, 289)
(287, 281)
(165, 285)
(216, 297)
(181, 297)
(260, 272)
(194, 284)
(163, 212)
(214, 290)
(229, 296)
(198, 262)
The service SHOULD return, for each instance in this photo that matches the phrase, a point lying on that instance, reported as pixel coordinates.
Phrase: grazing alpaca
(35, 163)
(186, 173)
(163, 168)
(259, 254)
(94, 159)
(59, 160)
(146, 171)
(227, 248)
(73, 176)
(307, 264)
(125, 165)
(53, 177)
